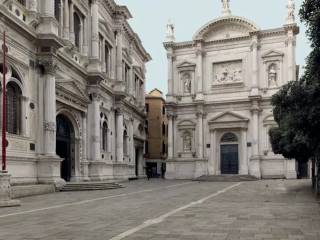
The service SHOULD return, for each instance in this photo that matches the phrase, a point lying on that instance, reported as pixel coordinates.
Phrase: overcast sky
(151, 16)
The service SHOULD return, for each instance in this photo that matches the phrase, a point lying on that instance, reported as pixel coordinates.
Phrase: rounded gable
(224, 28)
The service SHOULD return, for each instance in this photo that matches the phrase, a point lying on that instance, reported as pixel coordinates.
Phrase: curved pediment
(226, 28)
(186, 124)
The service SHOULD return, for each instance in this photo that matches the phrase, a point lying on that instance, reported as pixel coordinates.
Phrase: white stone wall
(74, 79)
(236, 68)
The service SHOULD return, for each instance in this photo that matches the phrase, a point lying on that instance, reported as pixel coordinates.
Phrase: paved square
(157, 209)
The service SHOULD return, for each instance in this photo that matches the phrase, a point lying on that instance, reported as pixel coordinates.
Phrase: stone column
(199, 78)
(71, 22)
(254, 56)
(200, 137)
(103, 56)
(119, 55)
(170, 137)
(24, 118)
(33, 6)
(61, 29)
(50, 108)
(244, 168)
(119, 141)
(84, 159)
(131, 141)
(48, 8)
(255, 159)
(95, 127)
(212, 166)
(291, 56)
(94, 65)
(170, 72)
(65, 19)
(85, 37)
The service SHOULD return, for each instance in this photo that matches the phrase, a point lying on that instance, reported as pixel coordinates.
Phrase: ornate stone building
(219, 91)
(76, 82)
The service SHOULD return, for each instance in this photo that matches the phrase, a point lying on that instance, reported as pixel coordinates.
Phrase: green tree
(297, 104)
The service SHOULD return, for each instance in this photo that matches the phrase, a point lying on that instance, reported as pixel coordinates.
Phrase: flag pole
(4, 71)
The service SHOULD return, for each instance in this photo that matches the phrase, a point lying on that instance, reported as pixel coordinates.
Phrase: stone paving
(158, 210)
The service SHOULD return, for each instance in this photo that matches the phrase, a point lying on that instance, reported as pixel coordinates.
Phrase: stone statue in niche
(186, 83)
(187, 142)
(230, 72)
(272, 75)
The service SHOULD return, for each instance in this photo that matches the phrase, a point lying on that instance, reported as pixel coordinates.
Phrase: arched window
(77, 29)
(13, 105)
(105, 137)
(13, 100)
(229, 137)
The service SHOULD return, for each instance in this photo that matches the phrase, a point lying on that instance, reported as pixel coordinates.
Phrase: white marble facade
(80, 71)
(219, 91)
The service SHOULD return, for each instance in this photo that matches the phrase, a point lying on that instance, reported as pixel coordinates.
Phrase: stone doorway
(229, 150)
(65, 147)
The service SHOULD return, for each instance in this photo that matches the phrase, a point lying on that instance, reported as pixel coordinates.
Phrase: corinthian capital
(49, 64)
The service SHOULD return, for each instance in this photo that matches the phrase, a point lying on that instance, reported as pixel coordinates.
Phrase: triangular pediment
(72, 88)
(228, 117)
(273, 53)
(186, 64)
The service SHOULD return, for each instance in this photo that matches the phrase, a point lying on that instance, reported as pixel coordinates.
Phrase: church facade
(75, 91)
(220, 86)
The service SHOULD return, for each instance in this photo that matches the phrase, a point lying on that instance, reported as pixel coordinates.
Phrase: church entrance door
(229, 149)
(229, 159)
(65, 146)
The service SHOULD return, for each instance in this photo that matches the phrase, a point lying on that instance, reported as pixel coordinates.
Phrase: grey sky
(151, 16)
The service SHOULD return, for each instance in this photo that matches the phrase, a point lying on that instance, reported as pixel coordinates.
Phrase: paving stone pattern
(270, 210)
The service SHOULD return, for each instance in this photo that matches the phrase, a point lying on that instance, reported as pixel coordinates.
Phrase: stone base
(49, 171)
(254, 167)
(5, 191)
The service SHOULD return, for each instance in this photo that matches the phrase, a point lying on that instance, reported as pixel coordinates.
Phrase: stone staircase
(90, 186)
(226, 178)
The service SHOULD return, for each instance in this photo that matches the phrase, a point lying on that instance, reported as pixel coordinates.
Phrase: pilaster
(255, 70)
(66, 19)
(119, 137)
(199, 79)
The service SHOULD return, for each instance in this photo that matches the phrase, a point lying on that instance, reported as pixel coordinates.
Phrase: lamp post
(4, 122)
(5, 186)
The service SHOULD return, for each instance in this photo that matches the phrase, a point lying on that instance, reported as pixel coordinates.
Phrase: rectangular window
(147, 107)
(163, 129)
(163, 110)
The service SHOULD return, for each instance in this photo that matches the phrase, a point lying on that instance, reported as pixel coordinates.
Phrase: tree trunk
(313, 173)
(318, 175)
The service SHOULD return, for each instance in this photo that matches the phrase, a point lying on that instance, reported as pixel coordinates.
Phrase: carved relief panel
(227, 73)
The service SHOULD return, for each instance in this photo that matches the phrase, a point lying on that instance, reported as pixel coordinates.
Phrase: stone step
(19, 191)
(90, 186)
(226, 178)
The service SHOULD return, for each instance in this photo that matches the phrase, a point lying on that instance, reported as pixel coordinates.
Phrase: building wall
(156, 119)
(79, 80)
(222, 82)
